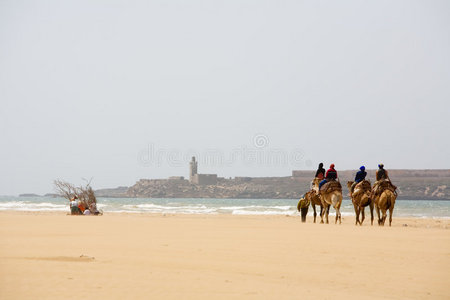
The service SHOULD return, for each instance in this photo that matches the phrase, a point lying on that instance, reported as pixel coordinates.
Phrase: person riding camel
(380, 176)
(360, 176)
(330, 175)
(320, 173)
(381, 173)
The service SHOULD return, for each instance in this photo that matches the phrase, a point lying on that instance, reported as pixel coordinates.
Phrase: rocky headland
(412, 184)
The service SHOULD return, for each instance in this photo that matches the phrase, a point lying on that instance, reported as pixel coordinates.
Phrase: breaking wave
(403, 208)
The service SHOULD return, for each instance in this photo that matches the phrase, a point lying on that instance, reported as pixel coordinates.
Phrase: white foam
(267, 212)
(417, 209)
(26, 206)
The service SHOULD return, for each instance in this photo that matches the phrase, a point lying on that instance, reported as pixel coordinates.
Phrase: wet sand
(134, 256)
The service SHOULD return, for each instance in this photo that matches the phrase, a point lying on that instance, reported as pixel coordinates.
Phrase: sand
(134, 256)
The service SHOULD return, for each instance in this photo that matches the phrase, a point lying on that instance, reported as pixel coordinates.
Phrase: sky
(116, 91)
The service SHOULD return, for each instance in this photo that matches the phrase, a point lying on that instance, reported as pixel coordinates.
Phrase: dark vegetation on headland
(412, 184)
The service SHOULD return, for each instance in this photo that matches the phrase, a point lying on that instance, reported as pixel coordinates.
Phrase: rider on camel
(330, 175)
(320, 173)
(360, 176)
(381, 173)
(380, 176)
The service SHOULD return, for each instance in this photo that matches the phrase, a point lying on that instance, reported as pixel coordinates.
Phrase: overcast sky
(123, 90)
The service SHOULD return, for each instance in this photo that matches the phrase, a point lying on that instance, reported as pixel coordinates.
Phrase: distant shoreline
(412, 184)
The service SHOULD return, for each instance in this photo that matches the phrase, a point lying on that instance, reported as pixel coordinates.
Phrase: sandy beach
(145, 256)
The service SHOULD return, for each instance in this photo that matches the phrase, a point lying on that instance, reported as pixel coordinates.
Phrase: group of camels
(382, 197)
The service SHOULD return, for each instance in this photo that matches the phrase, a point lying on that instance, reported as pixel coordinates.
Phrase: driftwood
(84, 193)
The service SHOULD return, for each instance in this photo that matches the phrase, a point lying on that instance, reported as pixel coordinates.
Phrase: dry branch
(84, 193)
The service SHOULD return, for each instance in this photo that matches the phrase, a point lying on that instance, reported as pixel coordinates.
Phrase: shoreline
(403, 208)
(413, 222)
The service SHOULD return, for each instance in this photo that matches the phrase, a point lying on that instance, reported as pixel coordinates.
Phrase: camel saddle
(363, 185)
(330, 187)
(312, 195)
(383, 185)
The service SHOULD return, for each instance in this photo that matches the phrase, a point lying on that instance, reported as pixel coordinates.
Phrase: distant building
(205, 179)
(200, 179)
(192, 169)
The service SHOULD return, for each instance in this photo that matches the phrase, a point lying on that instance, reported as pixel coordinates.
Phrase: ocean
(403, 208)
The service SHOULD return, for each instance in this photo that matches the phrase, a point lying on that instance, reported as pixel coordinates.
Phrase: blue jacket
(360, 176)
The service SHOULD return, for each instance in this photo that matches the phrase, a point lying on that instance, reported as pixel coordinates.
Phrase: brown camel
(385, 202)
(384, 194)
(313, 198)
(361, 199)
(332, 198)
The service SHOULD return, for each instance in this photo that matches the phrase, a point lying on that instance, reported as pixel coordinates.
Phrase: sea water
(403, 208)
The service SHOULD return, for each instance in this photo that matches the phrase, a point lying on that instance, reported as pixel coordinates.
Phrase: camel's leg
(314, 208)
(362, 215)
(339, 211)
(359, 214)
(391, 211)
(384, 216)
(338, 215)
(322, 212)
(378, 215)
(371, 212)
(356, 213)
(327, 213)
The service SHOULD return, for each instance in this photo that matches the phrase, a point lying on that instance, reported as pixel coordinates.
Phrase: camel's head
(349, 184)
(316, 182)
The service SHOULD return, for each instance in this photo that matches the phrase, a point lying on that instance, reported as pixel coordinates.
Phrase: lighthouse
(192, 169)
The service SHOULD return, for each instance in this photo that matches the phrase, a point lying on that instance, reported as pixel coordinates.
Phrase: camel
(384, 202)
(360, 199)
(328, 199)
(314, 199)
(384, 194)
